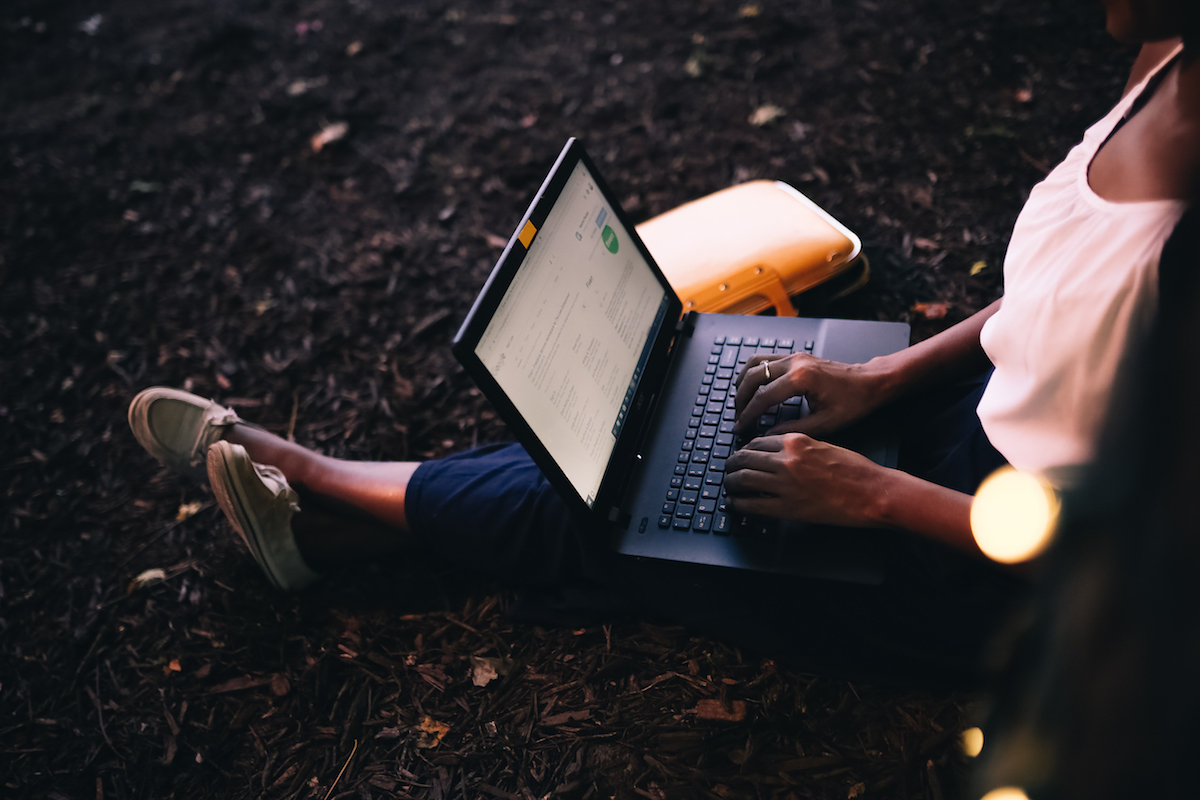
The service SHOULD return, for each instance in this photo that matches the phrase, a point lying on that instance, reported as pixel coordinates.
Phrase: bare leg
(367, 498)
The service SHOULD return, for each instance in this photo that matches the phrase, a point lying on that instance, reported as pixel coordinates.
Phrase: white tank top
(1080, 283)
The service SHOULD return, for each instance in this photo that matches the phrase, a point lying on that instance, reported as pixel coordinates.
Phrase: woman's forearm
(933, 511)
(951, 355)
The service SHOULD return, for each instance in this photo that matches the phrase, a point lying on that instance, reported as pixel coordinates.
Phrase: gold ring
(767, 367)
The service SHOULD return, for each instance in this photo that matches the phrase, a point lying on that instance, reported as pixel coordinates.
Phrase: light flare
(1014, 516)
(1006, 793)
(972, 741)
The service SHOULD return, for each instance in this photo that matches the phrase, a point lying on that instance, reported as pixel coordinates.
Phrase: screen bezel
(484, 308)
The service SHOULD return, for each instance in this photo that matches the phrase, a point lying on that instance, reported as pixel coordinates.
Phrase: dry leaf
(567, 716)
(187, 510)
(280, 685)
(713, 709)
(354, 48)
(174, 666)
(237, 684)
(931, 310)
(432, 732)
(748, 11)
(486, 670)
(857, 789)
(146, 578)
(978, 267)
(329, 134)
(764, 114)
(1023, 95)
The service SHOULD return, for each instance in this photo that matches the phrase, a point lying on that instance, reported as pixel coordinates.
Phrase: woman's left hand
(793, 476)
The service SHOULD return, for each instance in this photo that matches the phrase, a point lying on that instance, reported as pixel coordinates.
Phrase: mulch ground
(165, 219)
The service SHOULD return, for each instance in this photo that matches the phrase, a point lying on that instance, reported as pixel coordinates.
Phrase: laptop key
(684, 512)
(692, 484)
(716, 465)
(672, 495)
(664, 521)
(676, 482)
(680, 469)
(701, 523)
(695, 470)
(706, 507)
(713, 478)
(711, 492)
(682, 524)
(688, 497)
(668, 509)
(720, 524)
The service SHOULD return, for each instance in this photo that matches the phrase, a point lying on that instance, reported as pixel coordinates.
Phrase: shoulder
(1151, 55)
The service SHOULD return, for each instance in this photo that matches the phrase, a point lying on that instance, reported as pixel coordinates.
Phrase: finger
(757, 506)
(749, 481)
(765, 443)
(754, 375)
(755, 454)
(750, 405)
(754, 361)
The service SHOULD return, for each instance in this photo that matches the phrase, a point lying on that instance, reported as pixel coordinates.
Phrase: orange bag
(747, 248)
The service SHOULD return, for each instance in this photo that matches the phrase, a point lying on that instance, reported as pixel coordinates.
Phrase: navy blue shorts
(492, 510)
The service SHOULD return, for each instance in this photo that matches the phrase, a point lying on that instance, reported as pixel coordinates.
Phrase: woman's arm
(793, 476)
(839, 394)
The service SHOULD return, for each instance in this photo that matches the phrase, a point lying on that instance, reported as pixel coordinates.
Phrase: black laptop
(626, 404)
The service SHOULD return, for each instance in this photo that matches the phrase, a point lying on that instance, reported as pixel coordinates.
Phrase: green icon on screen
(610, 239)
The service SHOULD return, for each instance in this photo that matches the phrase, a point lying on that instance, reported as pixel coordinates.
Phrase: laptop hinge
(619, 517)
(686, 324)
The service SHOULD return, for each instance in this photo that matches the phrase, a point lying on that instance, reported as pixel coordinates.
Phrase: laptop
(626, 404)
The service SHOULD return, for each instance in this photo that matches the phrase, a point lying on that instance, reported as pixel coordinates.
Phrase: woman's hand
(792, 476)
(837, 393)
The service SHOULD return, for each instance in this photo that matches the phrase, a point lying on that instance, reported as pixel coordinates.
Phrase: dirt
(166, 219)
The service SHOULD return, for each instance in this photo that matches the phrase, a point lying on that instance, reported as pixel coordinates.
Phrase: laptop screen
(571, 336)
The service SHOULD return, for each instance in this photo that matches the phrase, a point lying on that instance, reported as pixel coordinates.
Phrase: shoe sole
(236, 504)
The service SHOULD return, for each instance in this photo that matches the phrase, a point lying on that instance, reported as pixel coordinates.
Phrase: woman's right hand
(838, 394)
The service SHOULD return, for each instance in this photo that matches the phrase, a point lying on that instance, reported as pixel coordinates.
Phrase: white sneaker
(177, 427)
(259, 503)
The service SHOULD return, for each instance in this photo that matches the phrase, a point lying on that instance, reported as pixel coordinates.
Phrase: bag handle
(757, 279)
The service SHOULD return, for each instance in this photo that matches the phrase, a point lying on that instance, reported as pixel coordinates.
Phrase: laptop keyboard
(695, 500)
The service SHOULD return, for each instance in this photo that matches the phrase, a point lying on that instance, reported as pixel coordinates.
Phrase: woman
(1080, 285)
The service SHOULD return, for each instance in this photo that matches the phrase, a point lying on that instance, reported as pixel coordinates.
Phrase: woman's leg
(376, 489)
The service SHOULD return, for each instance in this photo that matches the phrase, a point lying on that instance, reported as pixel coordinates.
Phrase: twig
(353, 750)
(291, 434)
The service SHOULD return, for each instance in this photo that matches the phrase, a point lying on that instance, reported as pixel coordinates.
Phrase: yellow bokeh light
(1006, 793)
(972, 741)
(1013, 516)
